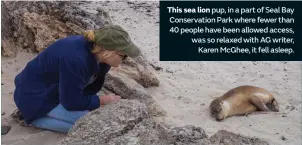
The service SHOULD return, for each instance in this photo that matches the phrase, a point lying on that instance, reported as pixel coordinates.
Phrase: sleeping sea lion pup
(243, 100)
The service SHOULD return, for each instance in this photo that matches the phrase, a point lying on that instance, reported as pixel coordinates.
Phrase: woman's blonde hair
(90, 36)
(107, 53)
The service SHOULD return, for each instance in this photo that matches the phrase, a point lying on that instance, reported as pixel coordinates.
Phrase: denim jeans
(59, 119)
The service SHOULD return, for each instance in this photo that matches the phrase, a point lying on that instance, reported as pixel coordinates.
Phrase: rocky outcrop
(113, 121)
(8, 47)
(223, 137)
(37, 24)
(139, 70)
(127, 88)
(128, 122)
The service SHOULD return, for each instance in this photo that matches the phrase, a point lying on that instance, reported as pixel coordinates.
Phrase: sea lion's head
(217, 109)
(273, 105)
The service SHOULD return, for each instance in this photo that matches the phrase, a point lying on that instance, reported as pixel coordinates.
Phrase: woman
(60, 85)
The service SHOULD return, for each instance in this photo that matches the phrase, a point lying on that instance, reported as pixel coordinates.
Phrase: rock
(139, 70)
(223, 137)
(192, 135)
(104, 124)
(147, 132)
(123, 122)
(128, 122)
(146, 73)
(128, 88)
(8, 48)
(157, 68)
(5, 129)
(291, 108)
(186, 134)
(283, 138)
(5, 126)
(37, 24)
(45, 29)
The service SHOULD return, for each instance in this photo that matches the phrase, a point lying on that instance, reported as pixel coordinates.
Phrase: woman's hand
(109, 98)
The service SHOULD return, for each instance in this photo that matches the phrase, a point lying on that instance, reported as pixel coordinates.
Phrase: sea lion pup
(243, 100)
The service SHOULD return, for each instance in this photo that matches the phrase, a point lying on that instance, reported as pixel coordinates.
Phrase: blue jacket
(58, 75)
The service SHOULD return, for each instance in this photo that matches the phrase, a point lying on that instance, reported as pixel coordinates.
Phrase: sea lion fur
(243, 100)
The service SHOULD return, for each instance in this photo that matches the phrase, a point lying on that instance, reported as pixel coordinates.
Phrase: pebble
(283, 138)
(5, 129)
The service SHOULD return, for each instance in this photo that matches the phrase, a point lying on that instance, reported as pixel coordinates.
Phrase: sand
(186, 88)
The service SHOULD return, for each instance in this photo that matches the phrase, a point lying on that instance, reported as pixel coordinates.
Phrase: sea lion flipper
(258, 103)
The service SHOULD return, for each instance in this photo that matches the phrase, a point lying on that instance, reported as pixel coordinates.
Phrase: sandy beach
(186, 88)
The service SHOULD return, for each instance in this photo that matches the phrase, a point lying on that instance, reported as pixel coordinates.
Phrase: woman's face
(113, 59)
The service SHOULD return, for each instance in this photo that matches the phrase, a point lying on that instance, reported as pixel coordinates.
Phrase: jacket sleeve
(71, 84)
(97, 85)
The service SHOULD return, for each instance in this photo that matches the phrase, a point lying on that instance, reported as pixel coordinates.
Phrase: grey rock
(62, 10)
(5, 129)
(128, 88)
(104, 124)
(146, 77)
(146, 132)
(223, 137)
(186, 134)
(8, 49)
(36, 24)
(128, 122)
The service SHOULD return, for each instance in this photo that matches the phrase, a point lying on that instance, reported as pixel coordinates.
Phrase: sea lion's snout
(217, 109)
(273, 106)
(218, 119)
(219, 116)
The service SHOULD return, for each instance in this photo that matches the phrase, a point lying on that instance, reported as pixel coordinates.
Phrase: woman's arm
(71, 86)
(97, 85)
